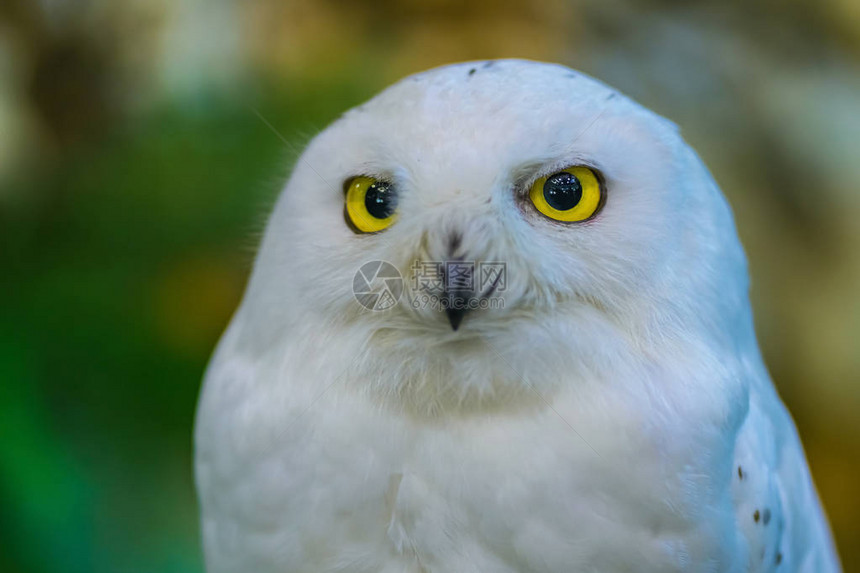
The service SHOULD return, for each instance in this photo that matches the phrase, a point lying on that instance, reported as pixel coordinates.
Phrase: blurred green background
(135, 177)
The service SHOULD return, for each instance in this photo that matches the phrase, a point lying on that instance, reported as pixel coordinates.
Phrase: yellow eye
(570, 195)
(371, 205)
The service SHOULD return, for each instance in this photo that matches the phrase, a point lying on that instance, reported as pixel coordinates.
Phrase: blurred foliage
(117, 284)
(142, 143)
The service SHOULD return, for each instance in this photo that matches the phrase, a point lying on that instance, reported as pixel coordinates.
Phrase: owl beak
(467, 281)
(458, 302)
(457, 295)
(455, 314)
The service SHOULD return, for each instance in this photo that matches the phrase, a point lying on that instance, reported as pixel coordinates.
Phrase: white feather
(614, 416)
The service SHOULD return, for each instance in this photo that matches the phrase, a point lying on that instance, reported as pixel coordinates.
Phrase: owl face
(599, 213)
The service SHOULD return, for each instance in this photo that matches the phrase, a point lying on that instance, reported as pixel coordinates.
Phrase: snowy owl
(600, 405)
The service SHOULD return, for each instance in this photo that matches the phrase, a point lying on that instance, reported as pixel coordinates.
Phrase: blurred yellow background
(135, 176)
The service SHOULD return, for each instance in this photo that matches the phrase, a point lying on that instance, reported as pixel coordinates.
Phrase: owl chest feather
(556, 489)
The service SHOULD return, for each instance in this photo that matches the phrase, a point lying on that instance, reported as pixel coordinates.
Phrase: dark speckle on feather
(454, 242)
(778, 558)
(472, 71)
(756, 516)
(740, 472)
(489, 64)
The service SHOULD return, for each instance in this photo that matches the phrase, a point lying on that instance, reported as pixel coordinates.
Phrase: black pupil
(380, 200)
(562, 191)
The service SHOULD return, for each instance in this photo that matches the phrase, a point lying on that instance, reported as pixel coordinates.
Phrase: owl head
(531, 213)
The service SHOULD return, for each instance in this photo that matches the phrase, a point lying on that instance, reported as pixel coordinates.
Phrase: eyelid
(348, 181)
(525, 183)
